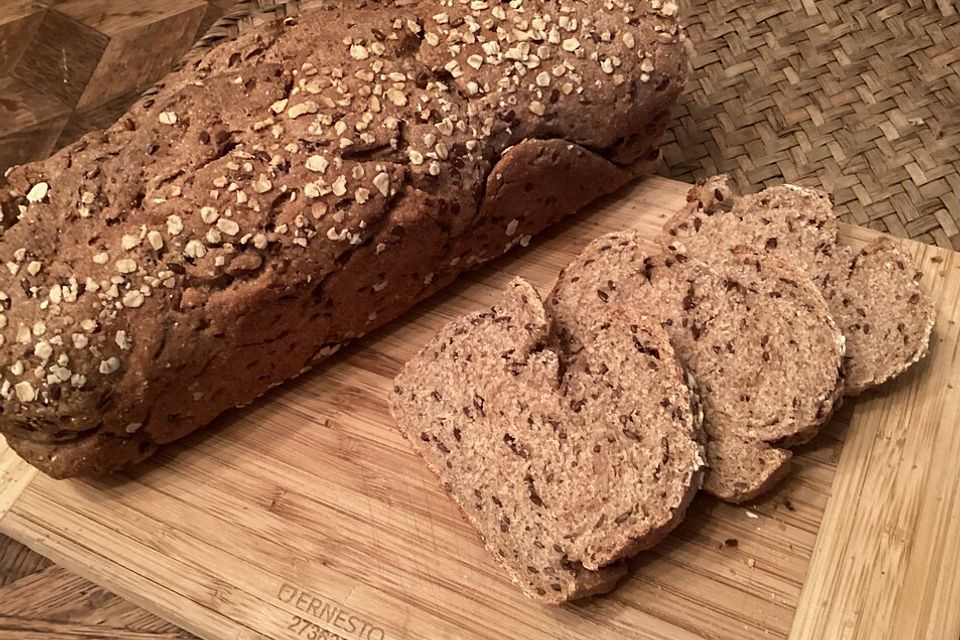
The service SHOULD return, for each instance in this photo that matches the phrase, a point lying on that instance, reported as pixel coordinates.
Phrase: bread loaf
(752, 330)
(564, 465)
(295, 189)
(874, 295)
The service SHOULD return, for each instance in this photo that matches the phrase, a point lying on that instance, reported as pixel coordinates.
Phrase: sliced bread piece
(752, 330)
(874, 296)
(794, 223)
(564, 466)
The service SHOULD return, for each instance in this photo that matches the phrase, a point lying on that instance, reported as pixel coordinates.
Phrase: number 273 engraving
(310, 631)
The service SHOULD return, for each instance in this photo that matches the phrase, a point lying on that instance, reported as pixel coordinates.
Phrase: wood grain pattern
(54, 604)
(890, 560)
(309, 503)
(18, 561)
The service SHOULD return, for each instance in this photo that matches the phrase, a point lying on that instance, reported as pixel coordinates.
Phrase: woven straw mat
(860, 97)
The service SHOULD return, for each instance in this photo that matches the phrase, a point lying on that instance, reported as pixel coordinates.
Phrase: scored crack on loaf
(295, 189)
(874, 294)
(564, 465)
(753, 331)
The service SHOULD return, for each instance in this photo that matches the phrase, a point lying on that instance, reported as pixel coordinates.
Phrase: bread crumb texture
(752, 330)
(565, 464)
(874, 295)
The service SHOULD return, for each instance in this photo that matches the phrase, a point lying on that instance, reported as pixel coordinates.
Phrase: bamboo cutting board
(307, 516)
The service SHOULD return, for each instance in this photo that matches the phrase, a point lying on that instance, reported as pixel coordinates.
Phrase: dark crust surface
(295, 189)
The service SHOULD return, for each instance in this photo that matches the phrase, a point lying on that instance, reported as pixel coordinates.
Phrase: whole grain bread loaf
(752, 330)
(874, 295)
(564, 465)
(296, 188)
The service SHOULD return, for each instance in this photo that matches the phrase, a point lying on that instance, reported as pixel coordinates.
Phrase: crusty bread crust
(296, 188)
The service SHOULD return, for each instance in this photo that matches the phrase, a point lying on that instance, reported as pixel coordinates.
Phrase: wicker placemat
(858, 96)
(861, 97)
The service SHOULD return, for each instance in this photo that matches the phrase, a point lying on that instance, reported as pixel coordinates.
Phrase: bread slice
(752, 330)
(564, 465)
(874, 296)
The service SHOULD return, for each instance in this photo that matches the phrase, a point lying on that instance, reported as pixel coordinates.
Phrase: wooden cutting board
(307, 516)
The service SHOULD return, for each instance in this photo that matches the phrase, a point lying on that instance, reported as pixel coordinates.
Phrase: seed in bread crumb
(262, 184)
(361, 195)
(110, 365)
(278, 106)
(33, 268)
(167, 117)
(209, 214)
(80, 341)
(43, 350)
(133, 299)
(317, 164)
(39, 328)
(416, 158)
(512, 227)
(359, 52)
(133, 427)
(87, 197)
(174, 225)
(227, 226)
(382, 182)
(195, 249)
(38, 192)
(155, 239)
(60, 374)
(397, 97)
(302, 109)
(128, 242)
(339, 186)
(570, 45)
(25, 391)
(122, 339)
(125, 265)
(537, 108)
(629, 41)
